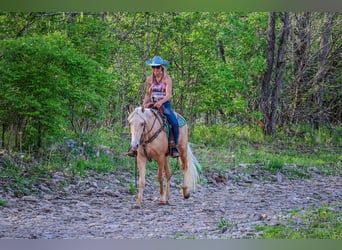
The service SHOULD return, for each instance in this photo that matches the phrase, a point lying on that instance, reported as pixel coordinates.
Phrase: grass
(218, 148)
(226, 147)
(223, 223)
(3, 203)
(19, 178)
(319, 223)
(184, 237)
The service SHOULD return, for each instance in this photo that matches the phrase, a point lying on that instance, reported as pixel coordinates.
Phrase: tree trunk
(221, 49)
(39, 136)
(270, 95)
(278, 82)
(322, 70)
(301, 43)
(265, 87)
(3, 135)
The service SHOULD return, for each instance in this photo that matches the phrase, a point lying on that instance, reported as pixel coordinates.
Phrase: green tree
(46, 85)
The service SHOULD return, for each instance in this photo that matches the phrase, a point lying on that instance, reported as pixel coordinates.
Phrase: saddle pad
(181, 120)
(181, 123)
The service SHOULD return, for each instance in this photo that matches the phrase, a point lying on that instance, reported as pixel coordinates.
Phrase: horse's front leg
(141, 162)
(164, 174)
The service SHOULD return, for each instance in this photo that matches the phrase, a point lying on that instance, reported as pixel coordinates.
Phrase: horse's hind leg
(184, 165)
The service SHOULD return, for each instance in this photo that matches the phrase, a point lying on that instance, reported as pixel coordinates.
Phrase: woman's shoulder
(167, 77)
(149, 79)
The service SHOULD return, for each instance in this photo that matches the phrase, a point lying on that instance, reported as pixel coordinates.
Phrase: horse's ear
(130, 108)
(142, 108)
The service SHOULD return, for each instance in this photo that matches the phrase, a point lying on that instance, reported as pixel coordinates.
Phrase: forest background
(260, 91)
(67, 74)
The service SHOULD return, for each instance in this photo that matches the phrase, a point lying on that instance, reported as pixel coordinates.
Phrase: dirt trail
(100, 206)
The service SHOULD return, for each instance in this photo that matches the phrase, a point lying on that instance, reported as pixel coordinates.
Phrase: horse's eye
(142, 124)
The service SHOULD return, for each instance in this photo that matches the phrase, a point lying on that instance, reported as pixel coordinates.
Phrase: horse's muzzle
(134, 145)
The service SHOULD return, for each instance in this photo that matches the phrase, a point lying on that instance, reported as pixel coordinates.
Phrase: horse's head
(137, 122)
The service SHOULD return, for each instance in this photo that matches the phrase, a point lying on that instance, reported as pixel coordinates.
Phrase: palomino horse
(150, 139)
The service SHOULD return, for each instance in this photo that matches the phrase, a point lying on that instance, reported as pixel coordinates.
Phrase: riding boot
(132, 152)
(175, 152)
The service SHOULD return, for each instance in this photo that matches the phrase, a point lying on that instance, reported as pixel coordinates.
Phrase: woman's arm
(168, 95)
(147, 98)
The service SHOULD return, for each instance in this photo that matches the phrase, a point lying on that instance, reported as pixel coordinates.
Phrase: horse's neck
(153, 121)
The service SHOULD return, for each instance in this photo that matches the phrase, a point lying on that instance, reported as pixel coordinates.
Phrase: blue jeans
(171, 117)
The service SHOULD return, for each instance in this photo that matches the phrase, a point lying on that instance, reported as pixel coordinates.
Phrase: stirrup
(175, 152)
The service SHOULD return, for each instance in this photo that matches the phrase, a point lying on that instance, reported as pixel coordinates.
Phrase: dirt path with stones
(100, 206)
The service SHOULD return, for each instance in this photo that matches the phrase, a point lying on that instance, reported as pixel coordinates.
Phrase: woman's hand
(157, 105)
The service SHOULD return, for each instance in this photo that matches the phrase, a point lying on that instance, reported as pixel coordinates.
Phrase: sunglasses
(156, 67)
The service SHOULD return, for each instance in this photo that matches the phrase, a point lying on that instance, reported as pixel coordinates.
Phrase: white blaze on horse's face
(137, 129)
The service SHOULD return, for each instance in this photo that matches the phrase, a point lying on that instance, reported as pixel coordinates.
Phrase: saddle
(167, 126)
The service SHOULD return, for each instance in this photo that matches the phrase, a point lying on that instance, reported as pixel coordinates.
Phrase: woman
(159, 92)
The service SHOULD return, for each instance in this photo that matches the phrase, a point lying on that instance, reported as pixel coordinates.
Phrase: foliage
(48, 87)
(93, 63)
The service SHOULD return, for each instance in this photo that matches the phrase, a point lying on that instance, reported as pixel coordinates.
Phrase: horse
(149, 137)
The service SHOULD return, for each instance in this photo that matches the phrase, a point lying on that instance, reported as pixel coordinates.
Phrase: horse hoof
(163, 203)
(187, 196)
(136, 206)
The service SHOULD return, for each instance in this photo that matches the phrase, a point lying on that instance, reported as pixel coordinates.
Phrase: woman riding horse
(159, 92)
(149, 138)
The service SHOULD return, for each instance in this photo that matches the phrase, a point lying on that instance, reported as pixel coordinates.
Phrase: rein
(154, 136)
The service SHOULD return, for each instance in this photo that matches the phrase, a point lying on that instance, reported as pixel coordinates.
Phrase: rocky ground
(100, 206)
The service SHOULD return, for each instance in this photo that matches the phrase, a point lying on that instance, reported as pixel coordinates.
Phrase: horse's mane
(139, 112)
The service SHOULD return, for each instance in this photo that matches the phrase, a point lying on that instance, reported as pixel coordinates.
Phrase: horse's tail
(191, 176)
